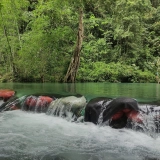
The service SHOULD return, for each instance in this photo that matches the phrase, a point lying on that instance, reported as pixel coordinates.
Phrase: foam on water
(1, 102)
(41, 137)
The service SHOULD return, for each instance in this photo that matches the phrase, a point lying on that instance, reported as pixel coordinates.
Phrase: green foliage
(121, 40)
(6, 77)
(113, 72)
(47, 43)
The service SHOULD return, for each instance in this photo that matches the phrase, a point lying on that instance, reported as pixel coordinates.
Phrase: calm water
(31, 136)
(141, 91)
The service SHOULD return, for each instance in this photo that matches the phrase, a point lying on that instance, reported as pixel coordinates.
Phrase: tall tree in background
(38, 39)
(10, 24)
(47, 41)
(8, 58)
(75, 61)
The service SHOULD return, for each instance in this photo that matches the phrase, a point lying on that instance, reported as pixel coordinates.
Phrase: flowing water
(39, 136)
(33, 136)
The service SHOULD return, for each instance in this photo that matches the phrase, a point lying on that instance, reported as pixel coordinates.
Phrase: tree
(38, 39)
(75, 61)
(10, 22)
(47, 42)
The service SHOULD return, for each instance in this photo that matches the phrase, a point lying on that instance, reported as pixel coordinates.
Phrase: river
(141, 91)
(32, 136)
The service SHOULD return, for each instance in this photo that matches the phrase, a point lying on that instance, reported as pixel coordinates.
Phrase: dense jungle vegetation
(121, 40)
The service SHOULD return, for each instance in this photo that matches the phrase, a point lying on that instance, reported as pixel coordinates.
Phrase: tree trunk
(10, 56)
(75, 60)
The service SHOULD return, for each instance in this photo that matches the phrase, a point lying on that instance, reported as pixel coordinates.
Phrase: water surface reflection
(141, 91)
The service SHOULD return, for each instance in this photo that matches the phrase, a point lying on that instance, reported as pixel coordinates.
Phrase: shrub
(113, 72)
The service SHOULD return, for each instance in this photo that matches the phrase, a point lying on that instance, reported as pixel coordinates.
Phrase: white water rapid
(33, 136)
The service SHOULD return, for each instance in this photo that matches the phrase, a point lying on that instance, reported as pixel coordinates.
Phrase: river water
(145, 92)
(32, 136)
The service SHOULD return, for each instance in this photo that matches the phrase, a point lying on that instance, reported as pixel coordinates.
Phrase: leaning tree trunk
(75, 61)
